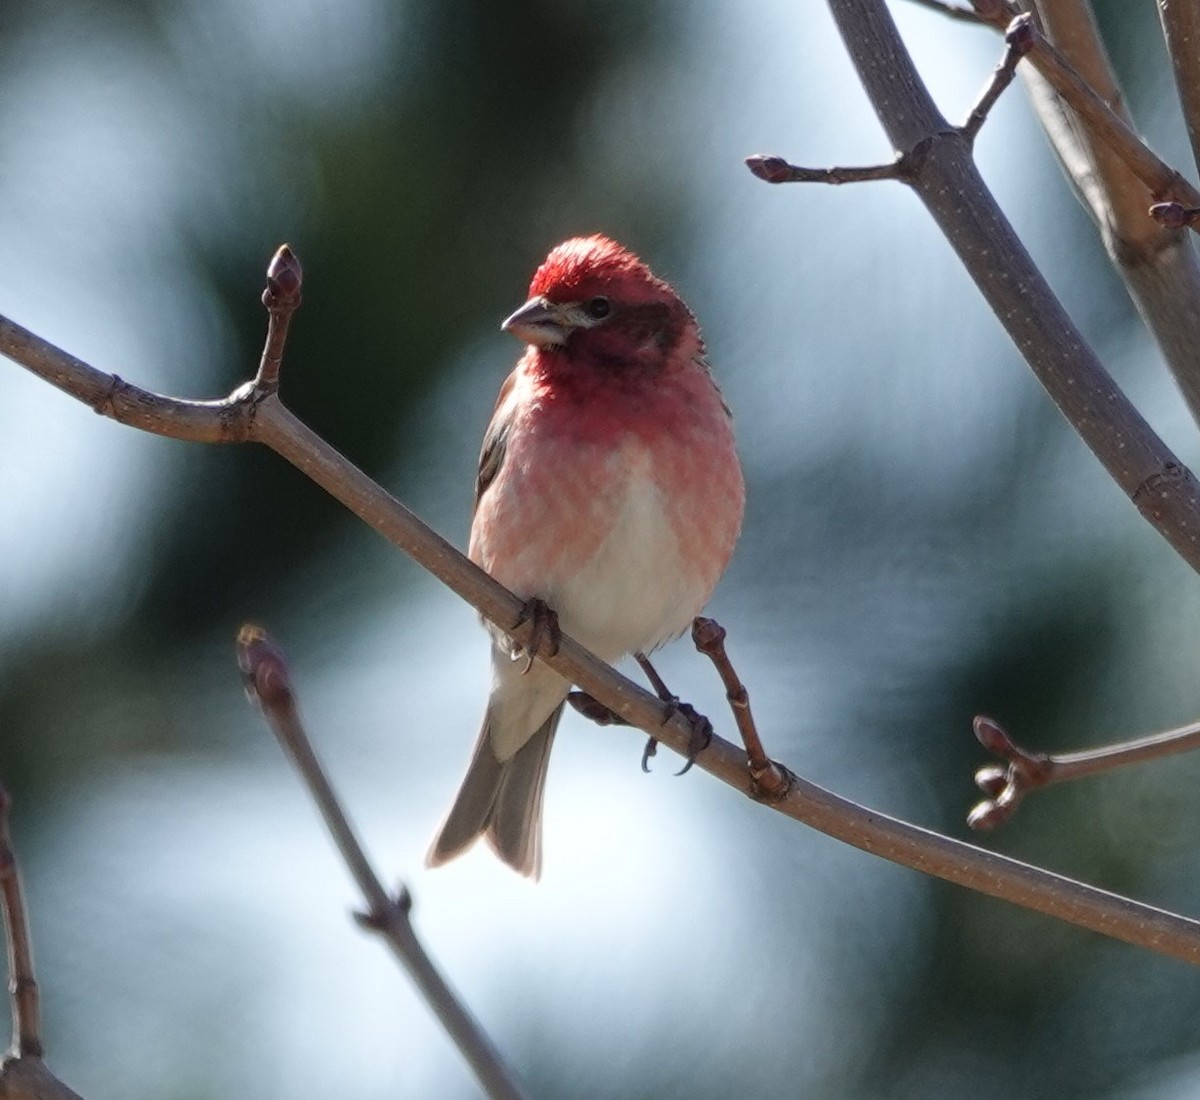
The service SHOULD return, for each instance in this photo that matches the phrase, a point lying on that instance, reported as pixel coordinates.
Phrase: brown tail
(501, 801)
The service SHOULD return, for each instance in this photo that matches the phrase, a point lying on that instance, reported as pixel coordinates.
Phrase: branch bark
(269, 684)
(1158, 264)
(1181, 28)
(943, 174)
(23, 1076)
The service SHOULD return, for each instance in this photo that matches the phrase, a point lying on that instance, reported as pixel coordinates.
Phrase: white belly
(633, 594)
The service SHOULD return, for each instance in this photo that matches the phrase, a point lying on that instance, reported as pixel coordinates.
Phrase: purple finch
(609, 487)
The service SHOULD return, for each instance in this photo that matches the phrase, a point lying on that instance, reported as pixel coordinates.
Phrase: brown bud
(1021, 34)
(769, 168)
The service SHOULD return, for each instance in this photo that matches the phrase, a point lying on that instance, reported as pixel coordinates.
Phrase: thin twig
(1019, 39)
(1007, 784)
(1181, 29)
(939, 168)
(1154, 256)
(773, 169)
(268, 683)
(23, 1075)
(771, 779)
(951, 11)
(1164, 182)
(282, 299)
(987, 872)
(22, 985)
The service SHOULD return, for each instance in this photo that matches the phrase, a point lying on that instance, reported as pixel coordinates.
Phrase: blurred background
(926, 539)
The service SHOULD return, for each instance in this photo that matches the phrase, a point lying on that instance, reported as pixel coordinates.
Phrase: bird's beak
(538, 322)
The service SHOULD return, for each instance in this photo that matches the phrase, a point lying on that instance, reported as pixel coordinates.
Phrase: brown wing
(495, 442)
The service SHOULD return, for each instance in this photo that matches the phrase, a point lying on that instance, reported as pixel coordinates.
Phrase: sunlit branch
(268, 683)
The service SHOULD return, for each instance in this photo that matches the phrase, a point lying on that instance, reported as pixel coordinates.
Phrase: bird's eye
(598, 308)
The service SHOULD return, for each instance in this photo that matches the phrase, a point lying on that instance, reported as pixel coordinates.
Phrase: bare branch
(22, 985)
(269, 684)
(1107, 125)
(771, 779)
(282, 299)
(24, 1075)
(1181, 28)
(224, 421)
(1154, 258)
(1019, 38)
(1006, 785)
(945, 178)
(772, 169)
(950, 10)
(996, 875)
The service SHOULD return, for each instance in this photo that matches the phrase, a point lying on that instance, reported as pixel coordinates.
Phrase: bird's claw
(544, 631)
(701, 734)
(698, 740)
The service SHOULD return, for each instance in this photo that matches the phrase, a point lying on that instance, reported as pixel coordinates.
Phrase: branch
(1154, 258)
(24, 1075)
(939, 168)
(1181, 29)
(769, 778)
(268, 683)
(1006, 785)
(269, 422)
(1105, 124)
(771, 169)
(1019, 39)
(951, 11)
(22, 985)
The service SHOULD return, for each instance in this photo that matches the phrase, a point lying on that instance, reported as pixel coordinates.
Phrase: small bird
(610, 491)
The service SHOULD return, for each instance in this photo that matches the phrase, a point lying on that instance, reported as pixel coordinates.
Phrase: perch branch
(268, 683)
(269, 422)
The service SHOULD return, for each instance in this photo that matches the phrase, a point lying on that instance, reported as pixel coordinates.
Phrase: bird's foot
(699, 737)
(701, 728)
(544, 633)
